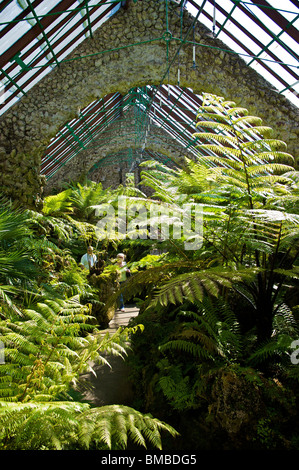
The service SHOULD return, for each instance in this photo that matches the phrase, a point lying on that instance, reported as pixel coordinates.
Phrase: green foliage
(219, 321)
(249, 160)
(226, 310)
(50, 338)
(41, 349)
(83, 197)
(45, 353)
(58, 204)
(243, 179)
(68, 426)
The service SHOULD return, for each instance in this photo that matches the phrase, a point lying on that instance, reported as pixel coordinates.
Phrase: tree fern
(69, 426)
(47, 350)
(193, 286)
(83, 196)
(240, 142)
(45, 353)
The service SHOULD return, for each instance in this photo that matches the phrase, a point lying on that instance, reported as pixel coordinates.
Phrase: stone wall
(118, 166)
(118, 137)
(26, 129)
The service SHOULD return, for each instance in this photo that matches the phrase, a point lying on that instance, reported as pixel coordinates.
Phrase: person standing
(89, 259)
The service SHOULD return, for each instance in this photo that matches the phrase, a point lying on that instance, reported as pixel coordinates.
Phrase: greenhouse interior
(149, 227)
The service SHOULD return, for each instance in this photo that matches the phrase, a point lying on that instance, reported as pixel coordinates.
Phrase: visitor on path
(89, 259)
(123, 272)
(98, 267)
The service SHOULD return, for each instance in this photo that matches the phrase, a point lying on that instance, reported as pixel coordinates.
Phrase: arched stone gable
(117, 138)
(89, 73)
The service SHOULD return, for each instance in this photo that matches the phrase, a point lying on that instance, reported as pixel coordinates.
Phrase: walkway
(122, 318)
(111, 385)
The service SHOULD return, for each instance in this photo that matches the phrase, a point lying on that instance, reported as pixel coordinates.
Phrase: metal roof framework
(38, 35)
(171, 108)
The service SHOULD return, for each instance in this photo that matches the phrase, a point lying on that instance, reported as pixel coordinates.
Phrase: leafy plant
(45, 353)
(73, 426)
(249, 241)
(51, 342)
(224, 313)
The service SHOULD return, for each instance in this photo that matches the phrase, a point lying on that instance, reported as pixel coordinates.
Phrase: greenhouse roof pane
(264, 33)
(37, 35)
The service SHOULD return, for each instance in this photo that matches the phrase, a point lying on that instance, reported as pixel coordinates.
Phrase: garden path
(111, 385)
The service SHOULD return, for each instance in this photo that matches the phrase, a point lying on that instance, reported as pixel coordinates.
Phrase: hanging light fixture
(194, 66)
(214, 18)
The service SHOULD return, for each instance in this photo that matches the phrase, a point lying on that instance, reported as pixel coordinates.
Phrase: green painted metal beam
(19, 61)
(42, 31)
(13, 82)
(276, 39)
(227, 18)
(76, 138)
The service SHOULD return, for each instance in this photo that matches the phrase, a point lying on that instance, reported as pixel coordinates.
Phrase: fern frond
(220, 150)
(192, 286)
(256, 131)
(267, 168)
(57, 204)
(236, 110)
(275, 216)
(150, 277)
(252, 120)
(113, 425)
(208, 118)
(276, 346)
(262, 145)
(220, 126)
(277, 155)
(221, 138)
(187, 347)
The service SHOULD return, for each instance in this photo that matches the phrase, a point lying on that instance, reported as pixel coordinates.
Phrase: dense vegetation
(50, 334)
(213, 349)
(222, 320)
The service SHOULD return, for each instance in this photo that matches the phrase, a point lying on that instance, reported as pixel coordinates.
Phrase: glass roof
(38, 35)
(264, 33)
(167, 107)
